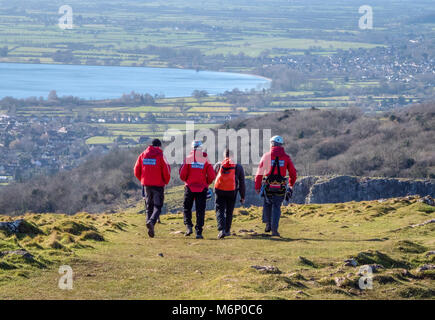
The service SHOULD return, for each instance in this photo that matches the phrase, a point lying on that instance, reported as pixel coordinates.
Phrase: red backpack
(226, 178)
(275, 183)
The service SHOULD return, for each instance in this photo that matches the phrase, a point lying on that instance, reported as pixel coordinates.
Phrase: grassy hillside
(320, 142)
(323, 142)
(112, 257)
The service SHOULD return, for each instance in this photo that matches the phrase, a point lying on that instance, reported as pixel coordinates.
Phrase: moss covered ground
(112, 256)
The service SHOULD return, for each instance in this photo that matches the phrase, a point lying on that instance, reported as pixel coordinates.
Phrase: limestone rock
(423, 223)
(340, 281)
(267, 269)
(338, 189)
(13, 227)
(350, 263)
(428, 200)
(20, 252)
(426, 267)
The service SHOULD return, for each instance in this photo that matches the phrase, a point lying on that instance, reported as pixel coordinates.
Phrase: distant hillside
(318, 256)
(348, 142)
(321, 142)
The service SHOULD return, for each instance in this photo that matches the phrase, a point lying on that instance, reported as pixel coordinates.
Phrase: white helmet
(196, 144)
(277, 139)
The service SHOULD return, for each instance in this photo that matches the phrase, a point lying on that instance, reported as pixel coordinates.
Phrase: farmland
(180, 34)
(103, 35)
(135, 121)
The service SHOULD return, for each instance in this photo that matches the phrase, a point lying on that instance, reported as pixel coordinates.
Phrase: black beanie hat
(156, 143)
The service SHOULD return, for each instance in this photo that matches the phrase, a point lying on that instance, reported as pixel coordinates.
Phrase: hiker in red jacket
(154, 173)
(230, 180)
(270, 181)
(198, 174)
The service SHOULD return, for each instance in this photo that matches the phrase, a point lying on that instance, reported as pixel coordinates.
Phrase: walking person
(270, 181)
(230, 181)
(197, 174)
(154, 173)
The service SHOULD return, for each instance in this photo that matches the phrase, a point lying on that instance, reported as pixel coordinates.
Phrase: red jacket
(152, 169)
(197, 172)
(265, 168)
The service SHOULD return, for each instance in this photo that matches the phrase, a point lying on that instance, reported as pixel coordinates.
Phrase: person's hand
(257, 191)
(288, 193)
(242, 200)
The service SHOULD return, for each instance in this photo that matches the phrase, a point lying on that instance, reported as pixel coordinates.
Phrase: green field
(174, 112)
(103, 35)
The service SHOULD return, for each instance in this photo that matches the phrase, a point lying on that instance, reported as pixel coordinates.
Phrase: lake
(105, 82)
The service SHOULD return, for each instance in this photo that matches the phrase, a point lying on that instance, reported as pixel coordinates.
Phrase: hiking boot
(221, 234)
(199, 236)
(150, 227)
(227, 234)
(275, 234)
(268, 228)
(189, 231)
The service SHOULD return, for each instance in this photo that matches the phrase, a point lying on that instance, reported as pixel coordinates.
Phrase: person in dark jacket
(197, 174)
(153, 171)
(230, 180)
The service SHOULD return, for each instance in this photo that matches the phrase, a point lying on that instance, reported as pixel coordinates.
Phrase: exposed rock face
(337, 189)
(12, 227)
(20, 252)
(20, 226)
(346, 188)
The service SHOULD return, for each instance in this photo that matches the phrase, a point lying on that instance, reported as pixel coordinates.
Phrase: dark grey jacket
(240, 178)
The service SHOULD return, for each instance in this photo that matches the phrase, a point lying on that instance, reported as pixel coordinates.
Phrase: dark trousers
(200, 199)
(225, 202)
(154, 197)
(272, 210)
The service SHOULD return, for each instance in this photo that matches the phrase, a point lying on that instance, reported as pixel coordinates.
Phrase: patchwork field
(107, 34)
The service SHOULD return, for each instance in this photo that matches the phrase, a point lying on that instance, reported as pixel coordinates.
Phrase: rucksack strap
(276, 165)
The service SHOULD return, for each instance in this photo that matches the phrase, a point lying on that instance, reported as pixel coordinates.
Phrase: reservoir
(107, 82)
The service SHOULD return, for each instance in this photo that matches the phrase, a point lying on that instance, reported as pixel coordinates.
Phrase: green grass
(316, 239)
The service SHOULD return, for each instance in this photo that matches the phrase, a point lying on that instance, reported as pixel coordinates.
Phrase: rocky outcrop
(337, 189)
(20, 226)
(346, 188)
(21, 252)
(12, 227)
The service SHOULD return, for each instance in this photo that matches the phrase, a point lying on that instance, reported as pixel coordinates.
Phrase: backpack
(226, 178)
(275, 184)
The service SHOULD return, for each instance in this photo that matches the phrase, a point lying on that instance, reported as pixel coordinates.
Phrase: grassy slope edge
(113, 258)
